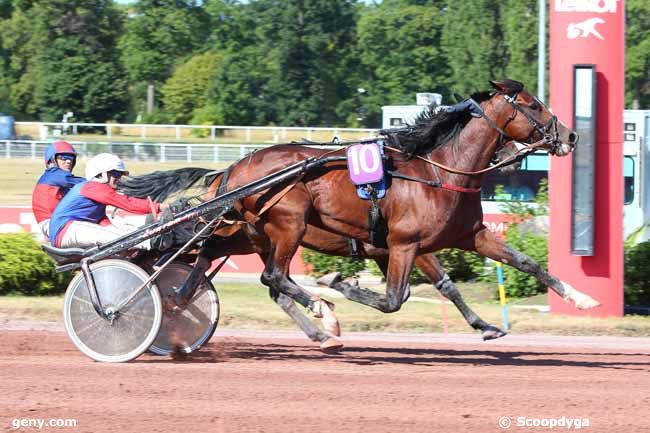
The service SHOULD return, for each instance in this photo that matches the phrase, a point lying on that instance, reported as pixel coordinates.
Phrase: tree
(399, 48)
(232, 24)
(473, 42)
(64, 58)
(637, 54)
(239, 93)
(305, 41)
(160, 34)
(186, 89)
(519, 22)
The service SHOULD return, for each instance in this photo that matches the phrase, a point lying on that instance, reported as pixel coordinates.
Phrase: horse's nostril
(573, 138)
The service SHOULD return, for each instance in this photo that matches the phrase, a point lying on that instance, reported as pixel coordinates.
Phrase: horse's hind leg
(289, 306)
(487, 244)
(431, 267)
(284, 244)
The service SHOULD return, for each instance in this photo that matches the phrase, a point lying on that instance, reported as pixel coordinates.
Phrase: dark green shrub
(322, 264)
(24, 267)
(519, 284)
(637, 274)
(459, 265)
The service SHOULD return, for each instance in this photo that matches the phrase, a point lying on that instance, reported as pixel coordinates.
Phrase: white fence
(242, 134)
(158, 152)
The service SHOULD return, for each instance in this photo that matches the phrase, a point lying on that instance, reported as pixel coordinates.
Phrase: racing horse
(195, 185)
(426, 209)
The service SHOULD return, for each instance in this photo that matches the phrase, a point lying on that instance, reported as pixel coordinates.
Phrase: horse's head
(510, 153)
(531, 121)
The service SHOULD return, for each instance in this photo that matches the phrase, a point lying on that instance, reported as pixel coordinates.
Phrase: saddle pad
(365, 163)
(366, 168)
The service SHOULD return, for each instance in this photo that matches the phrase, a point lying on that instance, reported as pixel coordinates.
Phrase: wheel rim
(187, 330)
(135, 327)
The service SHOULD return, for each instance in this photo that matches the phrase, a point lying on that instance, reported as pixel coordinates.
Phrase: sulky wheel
(187, 329)
(135, 326)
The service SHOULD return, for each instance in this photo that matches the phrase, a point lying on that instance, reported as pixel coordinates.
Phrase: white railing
(158, 152)
(244, 134)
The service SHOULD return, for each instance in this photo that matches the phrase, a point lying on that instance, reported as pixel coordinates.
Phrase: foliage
(186, 89)
(637, 271)
(519, 22)
(322, 264)
(637, 55)
(519, 284)
(294, 62)
(64, 58)
(459, 265)
(25, 269)
(158, 34)
(534, 245)
(473, 42)
(304, 42)
(399, 47)
(238, 94)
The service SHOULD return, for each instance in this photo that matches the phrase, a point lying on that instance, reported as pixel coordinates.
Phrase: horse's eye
(534, 106)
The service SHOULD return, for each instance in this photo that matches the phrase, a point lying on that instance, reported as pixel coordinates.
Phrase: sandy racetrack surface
(241, 383)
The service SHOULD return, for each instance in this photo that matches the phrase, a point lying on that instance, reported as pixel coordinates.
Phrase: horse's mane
(160, 185)
(432, 128)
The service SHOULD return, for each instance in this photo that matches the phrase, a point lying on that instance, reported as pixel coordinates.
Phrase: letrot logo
(596, 6)
(584, 29)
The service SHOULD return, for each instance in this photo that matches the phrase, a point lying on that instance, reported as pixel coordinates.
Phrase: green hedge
(322, 264)
(26, 269)
(637, 274)
(460, 266)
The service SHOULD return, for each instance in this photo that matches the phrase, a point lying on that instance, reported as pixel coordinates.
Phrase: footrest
(63, 256)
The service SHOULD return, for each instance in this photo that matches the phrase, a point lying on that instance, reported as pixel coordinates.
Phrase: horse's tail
(161, 184)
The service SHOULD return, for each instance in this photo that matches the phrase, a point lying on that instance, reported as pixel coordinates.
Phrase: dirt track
(239, 383)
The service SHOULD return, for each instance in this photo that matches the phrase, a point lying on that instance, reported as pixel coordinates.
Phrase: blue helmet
(57, 147)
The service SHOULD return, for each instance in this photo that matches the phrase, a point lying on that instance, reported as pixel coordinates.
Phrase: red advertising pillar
(589, 32)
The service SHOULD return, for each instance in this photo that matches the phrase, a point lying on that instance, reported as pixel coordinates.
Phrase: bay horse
(196, 185)
(425, 210)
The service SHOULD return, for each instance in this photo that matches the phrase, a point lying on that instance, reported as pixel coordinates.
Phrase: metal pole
(502, 297)
(541, 52)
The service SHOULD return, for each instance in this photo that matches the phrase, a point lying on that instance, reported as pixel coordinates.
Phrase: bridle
(548, 132)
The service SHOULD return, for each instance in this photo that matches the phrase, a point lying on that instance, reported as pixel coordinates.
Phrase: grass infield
(18, 176)
(247, 306)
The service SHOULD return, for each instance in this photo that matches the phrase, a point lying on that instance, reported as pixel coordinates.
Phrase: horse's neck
(471, 150)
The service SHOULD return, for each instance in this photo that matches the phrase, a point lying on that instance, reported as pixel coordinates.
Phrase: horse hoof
(492, 333)
(351, 281)
(331, 345)
(329, 320)
(329, 280)
(581, 300)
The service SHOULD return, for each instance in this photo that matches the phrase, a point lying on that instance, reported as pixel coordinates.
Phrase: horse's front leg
(430, 266)
(487, 244)
(400, 264)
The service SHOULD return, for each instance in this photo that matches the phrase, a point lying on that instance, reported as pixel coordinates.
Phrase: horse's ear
(509, 87)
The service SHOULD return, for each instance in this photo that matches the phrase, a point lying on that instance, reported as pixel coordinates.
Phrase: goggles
(116, 174)
(66, 156)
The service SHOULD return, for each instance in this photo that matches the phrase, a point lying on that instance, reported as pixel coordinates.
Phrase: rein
(523, 151)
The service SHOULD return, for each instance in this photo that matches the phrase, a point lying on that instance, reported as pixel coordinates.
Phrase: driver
(80, 218)
(55, 182)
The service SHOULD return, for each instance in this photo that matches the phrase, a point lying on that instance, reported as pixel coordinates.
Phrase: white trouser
(83, 234)
(45, 227)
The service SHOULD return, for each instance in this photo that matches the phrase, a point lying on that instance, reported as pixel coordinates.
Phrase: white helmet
(103, 163)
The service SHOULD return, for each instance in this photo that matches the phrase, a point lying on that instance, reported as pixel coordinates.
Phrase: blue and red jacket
(87, 202)
(53, 184)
